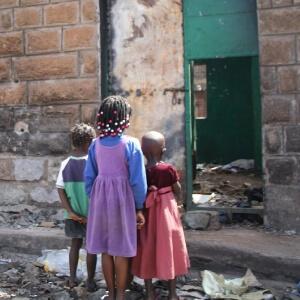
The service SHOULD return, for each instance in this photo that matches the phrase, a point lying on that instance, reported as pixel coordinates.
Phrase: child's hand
(140, 219)
(77, 218)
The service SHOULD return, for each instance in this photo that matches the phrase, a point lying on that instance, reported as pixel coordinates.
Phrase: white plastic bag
(57, 261)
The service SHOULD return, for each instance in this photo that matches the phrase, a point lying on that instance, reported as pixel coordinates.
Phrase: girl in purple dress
(116, 183)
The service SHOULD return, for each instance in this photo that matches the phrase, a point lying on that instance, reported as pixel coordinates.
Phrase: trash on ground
(217, 287)
(235, 185)
(57, 261)
(202, 199)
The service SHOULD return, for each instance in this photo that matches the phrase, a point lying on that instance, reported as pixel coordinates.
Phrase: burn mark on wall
(147, 3)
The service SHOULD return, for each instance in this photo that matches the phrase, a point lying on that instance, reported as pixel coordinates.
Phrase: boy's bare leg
(122, 269)
(73, 260)
(91, 262)
(172, 289)
(150, 294)
(108, 268)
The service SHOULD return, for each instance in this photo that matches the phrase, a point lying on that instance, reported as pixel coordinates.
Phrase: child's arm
(137, 173)
(91, 170)
(66, 205)
(176, 187)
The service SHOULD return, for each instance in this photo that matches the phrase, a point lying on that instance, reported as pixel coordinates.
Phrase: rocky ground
(21, 278)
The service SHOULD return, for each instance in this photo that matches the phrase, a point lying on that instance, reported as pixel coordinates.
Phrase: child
(116, 182)
(70, 186)
(162, 250)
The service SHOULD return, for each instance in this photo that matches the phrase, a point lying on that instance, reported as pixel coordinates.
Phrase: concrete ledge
(229, 250)
(268, 255)
(32, 240)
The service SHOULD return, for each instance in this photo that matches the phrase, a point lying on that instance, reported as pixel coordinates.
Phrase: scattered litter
(242, 164)
(217, 287)
(57, 261)
(235, 185)
(202, 199)
(47, 224)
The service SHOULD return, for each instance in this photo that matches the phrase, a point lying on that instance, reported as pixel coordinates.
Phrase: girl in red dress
(161, 249)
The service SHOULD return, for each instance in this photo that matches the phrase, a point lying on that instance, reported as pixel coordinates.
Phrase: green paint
(227, 133)
(215, 29)
(222, 29)
(256, 113)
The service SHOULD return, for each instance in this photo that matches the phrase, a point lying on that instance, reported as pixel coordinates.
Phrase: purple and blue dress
(115, 181)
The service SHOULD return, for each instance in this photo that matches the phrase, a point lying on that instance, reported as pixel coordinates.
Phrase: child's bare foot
(150, 294)
(71, 283)
(91, 286)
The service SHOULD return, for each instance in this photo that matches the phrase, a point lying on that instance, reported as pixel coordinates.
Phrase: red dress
(161, 251)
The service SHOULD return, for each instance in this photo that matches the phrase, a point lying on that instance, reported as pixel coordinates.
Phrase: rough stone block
(282, 207)
(6, 169)
(6, 120)
(268, 79)
(273, 140)
(88, 113)
(33, 2)
(44, 195)
(46, 40)
(62, 90)
(280, 3)
(276, 50)
(281, 170)
(283, 20)
(27, 120)
(214, 221)
(49, 143)
(28, 17)
(54, 124)
(69, 112)
(13, 194)
(9, 3)
(289, 79)
(11, 43)
(292, 139)
(278, 109)
(53, 168)
(80, 37)
(62, 13)
(46, 66)
(89, 11)
(89, 62)
(29, 169)
(261, 4)
(5, 69)
(5, 20)
(196, 219)
(12, 93)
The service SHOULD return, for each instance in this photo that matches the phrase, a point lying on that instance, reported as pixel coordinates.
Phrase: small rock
(97, 295)
(196, 219)
(63, 295)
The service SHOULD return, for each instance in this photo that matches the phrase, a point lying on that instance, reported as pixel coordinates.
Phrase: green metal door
(219, 33)
(227, 133)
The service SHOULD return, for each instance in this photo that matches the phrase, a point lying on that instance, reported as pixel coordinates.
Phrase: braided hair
(113, 116)
(81, 134)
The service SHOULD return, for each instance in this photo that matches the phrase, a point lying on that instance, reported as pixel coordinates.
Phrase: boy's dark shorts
(75, 229)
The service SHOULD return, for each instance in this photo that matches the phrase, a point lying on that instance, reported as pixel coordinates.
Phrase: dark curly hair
(113, 116)
(81, 134)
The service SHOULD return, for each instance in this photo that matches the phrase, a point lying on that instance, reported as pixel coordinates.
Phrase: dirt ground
(22, 279)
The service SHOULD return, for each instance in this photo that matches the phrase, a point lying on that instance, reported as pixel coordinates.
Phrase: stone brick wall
(279, 36)
(49, 80)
